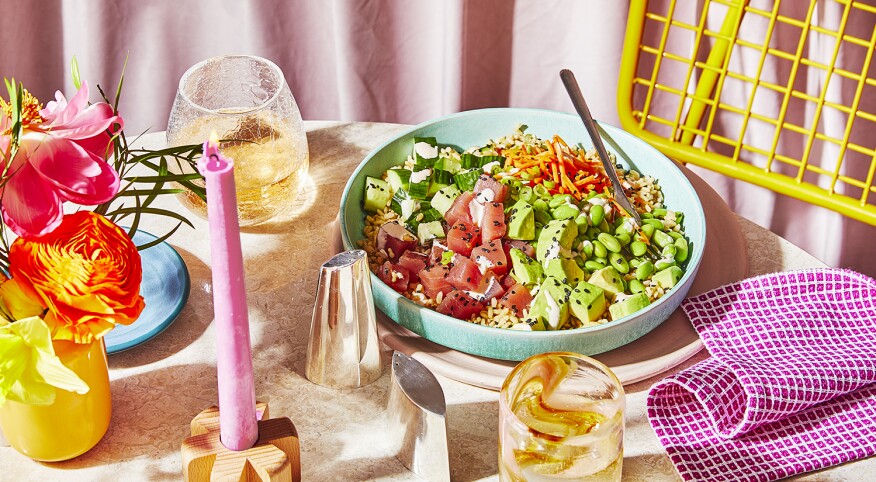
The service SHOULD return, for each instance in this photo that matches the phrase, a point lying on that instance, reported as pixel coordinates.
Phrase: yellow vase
(74, 423)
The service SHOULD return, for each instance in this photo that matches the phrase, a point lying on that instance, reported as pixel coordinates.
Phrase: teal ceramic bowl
(471, 128)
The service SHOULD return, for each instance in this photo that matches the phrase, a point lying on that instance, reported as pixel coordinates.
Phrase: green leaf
(157, 211)
(158, 241)
(74, 65)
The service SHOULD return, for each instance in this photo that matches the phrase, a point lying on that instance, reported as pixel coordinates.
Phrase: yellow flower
(15, 304)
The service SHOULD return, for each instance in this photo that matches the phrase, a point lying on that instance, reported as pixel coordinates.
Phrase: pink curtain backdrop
(399, 61)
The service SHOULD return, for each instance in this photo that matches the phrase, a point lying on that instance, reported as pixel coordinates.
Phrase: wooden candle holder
(275, 457)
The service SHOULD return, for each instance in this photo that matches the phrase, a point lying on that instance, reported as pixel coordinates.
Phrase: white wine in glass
(246, 102)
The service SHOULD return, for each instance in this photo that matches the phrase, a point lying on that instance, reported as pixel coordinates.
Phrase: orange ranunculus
(87, 272)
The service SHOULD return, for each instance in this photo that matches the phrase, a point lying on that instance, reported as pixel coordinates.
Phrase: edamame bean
(674, 234)
(564, 211)
(662, 239)
(587, 249)
(646, 215)
(638, 248)
(599, 249)
(579, 261)
(682, 249)
(635, 262)
(659, 212)
(664, 263)
(669, 251)
(597, 214)
(610, 242)
(601, 260)
(623, 238)
(655, 222)
(592, 232)
(559, 200)
(645, 270)
(619, 262)
(603, 226)
(593, 265)
(582, 221)
(636, 286)
(648, 230)
(526, 194)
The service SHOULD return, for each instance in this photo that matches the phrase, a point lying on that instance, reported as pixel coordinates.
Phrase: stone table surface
(159, 386)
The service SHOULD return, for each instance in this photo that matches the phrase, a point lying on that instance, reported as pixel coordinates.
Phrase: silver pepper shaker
(416, 412)
(344, 351)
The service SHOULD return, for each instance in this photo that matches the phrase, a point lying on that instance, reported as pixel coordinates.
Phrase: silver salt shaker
(344, 351)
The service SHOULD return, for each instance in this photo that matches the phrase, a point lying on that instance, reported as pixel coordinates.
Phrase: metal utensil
(416, 411)
(343, 350)
(583, 111)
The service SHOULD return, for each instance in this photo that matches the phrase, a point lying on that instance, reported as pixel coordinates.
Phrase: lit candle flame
(214, 139)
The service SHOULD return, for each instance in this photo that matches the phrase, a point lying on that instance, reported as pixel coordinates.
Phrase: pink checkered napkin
(791, 383)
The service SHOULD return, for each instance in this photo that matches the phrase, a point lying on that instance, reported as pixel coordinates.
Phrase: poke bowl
(576, 300)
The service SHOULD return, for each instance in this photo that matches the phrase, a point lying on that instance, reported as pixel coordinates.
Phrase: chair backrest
(779, 94)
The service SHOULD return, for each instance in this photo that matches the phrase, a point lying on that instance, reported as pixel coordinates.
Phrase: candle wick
(214, 159)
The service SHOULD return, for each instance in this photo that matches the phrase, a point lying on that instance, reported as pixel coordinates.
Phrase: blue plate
(165, 288)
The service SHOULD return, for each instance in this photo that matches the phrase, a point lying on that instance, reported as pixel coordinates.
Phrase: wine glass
(245, 100)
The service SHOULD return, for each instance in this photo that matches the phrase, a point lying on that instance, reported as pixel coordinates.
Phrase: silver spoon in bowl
(581, 106)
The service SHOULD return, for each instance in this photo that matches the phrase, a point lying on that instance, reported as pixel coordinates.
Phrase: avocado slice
(608, 279)
(587, 302)
(556, 236)
(550, 308)
(564, 269)
(377, 194)
(525, 269)
(668, 277)
(628, 306)
(521, 221)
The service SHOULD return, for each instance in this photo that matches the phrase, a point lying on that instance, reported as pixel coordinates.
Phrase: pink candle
(237, 415)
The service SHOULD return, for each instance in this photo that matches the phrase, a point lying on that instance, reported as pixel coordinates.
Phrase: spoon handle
(583, 111)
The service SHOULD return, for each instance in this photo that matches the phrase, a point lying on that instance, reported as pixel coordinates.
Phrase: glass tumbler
(245, 100)
(561, 417)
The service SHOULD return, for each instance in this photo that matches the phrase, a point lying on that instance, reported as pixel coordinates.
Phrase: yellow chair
(676, 98)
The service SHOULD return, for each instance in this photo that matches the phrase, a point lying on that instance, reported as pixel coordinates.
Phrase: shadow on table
(152, 412)
(195, 317)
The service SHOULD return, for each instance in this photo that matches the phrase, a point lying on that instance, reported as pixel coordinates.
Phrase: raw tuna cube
(462, 238)
(459, 305)
(394, 239)
(464, 275)
(414, 262)
(489, 288)
(486, 182)
(394, 275)
(459, 212)
(434, 280)
(493, 222)
(517, 299)
(490, 256)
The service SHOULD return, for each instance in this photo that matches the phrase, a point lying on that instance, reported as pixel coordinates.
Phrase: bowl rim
(689, 272)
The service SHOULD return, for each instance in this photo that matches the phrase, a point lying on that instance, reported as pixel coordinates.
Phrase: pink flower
(61, 157)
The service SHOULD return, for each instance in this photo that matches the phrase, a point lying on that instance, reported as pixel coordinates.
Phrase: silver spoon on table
(581, 106)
